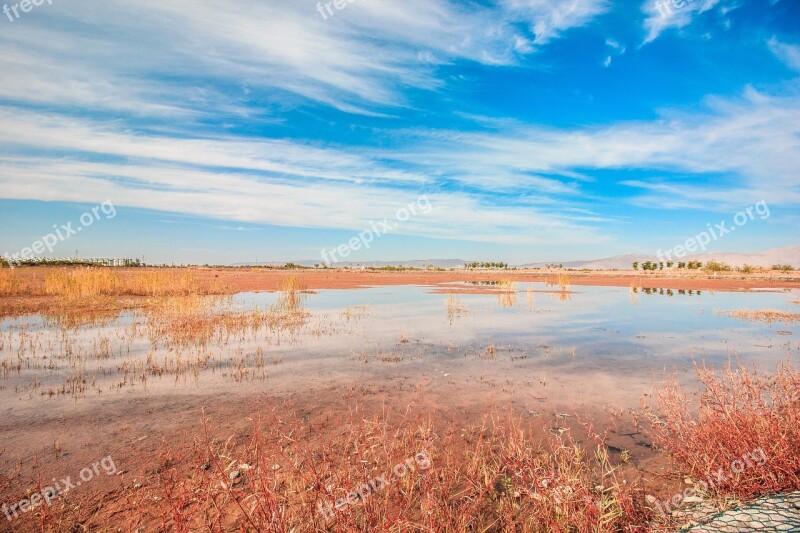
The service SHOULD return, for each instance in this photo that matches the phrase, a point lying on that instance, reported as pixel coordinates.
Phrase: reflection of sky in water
(601, 322)
(603, 332)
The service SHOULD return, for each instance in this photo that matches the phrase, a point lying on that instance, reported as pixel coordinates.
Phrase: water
(584, 346)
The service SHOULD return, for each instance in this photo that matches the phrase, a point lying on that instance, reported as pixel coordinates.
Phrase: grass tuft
(737, 412)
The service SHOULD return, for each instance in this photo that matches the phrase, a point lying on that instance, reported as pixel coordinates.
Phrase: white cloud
(142, 55)
(256, 181)
(518, 184)
(548, 19)
(789, 54)
(753, 141)
(663, 15)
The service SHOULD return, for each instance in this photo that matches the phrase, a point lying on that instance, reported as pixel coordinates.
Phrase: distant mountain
(789, 255)
(415, 263)
(567, 264)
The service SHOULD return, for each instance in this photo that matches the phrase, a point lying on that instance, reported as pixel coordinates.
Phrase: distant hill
(415, 263)
(789, 255)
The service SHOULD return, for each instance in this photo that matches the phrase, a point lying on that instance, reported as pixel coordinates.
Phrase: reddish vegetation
(269, 280)
(484, 477)
(28, 282)
(495, 475)
(739, 412)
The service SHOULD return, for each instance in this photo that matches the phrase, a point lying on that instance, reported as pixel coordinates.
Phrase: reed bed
(92, 282)
(203, 325)
(177, 336)
(10, 282)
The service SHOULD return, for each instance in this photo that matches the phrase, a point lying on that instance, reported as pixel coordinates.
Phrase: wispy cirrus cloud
(667, 16)
(502, 183)
(752, 141)
(548, 20)
(100, 53)
(789, 54)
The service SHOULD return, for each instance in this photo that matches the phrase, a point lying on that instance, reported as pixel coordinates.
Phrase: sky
(518, 130)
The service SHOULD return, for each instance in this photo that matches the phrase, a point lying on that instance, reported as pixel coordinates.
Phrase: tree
(636, 265)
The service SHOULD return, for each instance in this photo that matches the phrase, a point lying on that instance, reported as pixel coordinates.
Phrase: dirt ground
(244, 280)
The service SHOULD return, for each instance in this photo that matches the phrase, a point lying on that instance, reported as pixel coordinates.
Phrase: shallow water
(580, 346)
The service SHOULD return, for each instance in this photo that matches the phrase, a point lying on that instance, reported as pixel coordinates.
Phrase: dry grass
(293, 294)
(93, 282)
(507, 293)
(488, 477)
(10, 282)
(86, 296)
(455, 309)
(769, 315)
(739, 411)
(199, 321)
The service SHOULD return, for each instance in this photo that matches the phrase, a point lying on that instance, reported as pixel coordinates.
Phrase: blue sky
(538, 129)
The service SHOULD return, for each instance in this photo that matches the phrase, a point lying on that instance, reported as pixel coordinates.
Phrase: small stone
(234, 475)
(688, 481)
(137, 486)
(276, 467)
(650, 499)
(206, 466)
